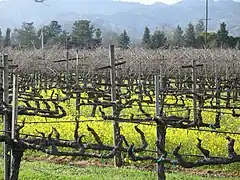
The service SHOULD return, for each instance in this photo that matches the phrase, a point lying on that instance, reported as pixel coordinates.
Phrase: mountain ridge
(118, 15)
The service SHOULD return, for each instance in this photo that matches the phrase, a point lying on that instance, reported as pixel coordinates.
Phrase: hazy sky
(153, 1)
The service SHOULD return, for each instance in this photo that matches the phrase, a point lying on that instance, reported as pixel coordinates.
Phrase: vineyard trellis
(168, 88)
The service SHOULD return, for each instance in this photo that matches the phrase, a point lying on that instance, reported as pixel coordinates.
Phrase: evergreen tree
(199, 28)
(98, 33)
(51, 32)
(98, 38)
(233, 42)
(64, 39)
(26, 36)
(200, 42)
(189, 36)
(82, 34)
(178, 38)
(211, 39)
(110, 37)
(124, 40)
(7, 40)
(146, 40)
(238, 44)
(55, 28)
(222, 35)
(158, 39)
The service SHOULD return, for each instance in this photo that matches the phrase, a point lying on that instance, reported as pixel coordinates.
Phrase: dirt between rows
(140, 166)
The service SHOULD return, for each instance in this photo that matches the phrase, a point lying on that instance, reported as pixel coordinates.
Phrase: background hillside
(109, 14)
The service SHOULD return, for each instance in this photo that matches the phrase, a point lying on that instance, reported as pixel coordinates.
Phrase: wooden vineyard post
(14, 104)
(116, 129)
(67, 73)
(37, 80)
(16, 153)
(161, 129)
(228, 88)
(194, 86)
(218, 93)
(139, 82)
(179, 79)
(235, 89)
(77, 85)
(5, 116)
(67, 64)
(33, 81)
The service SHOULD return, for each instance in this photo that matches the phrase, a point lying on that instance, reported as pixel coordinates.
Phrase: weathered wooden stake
(5, 115)
(14, 104)
(33, 82)
(67, 73)
(194, 86)
(217, 81)
(179, 78)
(45, 82)
(14, 119)
(116, 129)
(160, 130)
(37, 80)
(77, 84)
(157, 110)
(67, 64)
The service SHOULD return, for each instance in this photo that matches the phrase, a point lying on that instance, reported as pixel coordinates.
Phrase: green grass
(44, 170)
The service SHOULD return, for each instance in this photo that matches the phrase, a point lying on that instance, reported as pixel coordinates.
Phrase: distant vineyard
(135, 58)
(61, 102)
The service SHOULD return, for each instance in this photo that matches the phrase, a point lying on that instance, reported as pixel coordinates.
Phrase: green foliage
(85, 35)
(158, 39)
(189, 36)
(238, 44)
(146, 40)
(54, 29)
(26, 36)
(98, 37)
(199, 28)
(124, 40)
(233, 42)
(155, 41)
(178, 38)
(222, 36)
(110, 37)
(82, 35)
(64, 38)
(7, 40)
(52, 33)
(211, 39)
(98, 33)
(200, 42)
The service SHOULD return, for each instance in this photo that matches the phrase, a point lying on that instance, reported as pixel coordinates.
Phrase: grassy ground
(39, 170)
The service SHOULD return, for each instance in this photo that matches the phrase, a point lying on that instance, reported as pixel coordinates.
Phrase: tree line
(86, 35)
(83, 35)
(192, 36)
